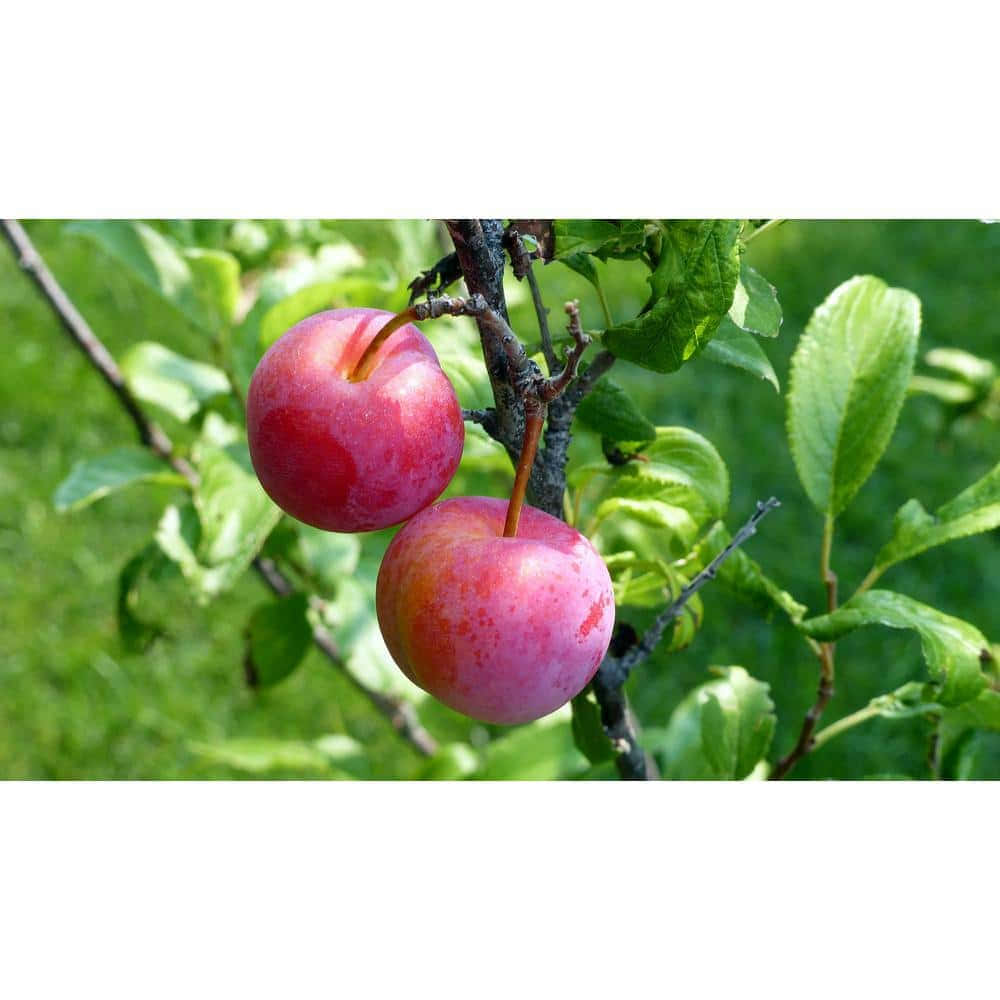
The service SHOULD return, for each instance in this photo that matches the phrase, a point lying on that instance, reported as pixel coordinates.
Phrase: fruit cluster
(353, 426)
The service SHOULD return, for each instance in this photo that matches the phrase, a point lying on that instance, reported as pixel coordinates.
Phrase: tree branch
(400, 714)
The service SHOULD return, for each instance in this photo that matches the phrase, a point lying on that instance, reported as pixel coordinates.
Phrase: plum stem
(366, 362)
(533, 420)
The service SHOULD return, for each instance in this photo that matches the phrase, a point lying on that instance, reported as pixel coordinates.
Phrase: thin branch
(77, 327)
(644, 648)
(825, 652)
(543, 322)
(398, 712)
(556, 385)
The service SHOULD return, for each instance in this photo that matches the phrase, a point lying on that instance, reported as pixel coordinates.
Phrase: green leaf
(584, 265)
(849, 375)
(974, 510)
(678, 525)
(951, 647)
(541, 751)
(597, 236)
(177, 384)
(737, 723)
(609, 411)
(721, 730)
(744, 577)
(260, 756)
(979, 713)
(952, 393)
(452, 762)
(278, 637)
(137, 634)
(215, 540)
(977, 372)
(692, 289)
(731, 346)
(682, 469)
(588, 733)
(201, 284)
(328, 555)
(93, 478)
(755, 305)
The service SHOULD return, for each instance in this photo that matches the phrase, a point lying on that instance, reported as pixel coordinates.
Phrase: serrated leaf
(175, 383)
(755, 305)
(743, 576)
(849, 375)
(588, 733)
(278, 637)
(951, 647)
(90, 479)
(609, 410)
(974, 510)
(731, 346)
(692, 289)
(721, 730)
(682, 468)
(597, 236)
(201, 284)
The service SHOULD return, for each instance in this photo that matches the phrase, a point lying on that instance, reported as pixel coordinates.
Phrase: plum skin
(352, 456)
(504, 630)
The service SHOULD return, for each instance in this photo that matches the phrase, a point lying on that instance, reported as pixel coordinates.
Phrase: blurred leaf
(755, 305)
(597, 236)
(974, 510)
(682, 469)
(609, 411)
(346, 754)
(731, 346)
(328, 555)
(952, 393)
(744, 577)
(977, 372)
(978, 758)
(175, 383)
(692, 289)
(588, 733)
(137, 634)
(351, 617)
(849, 375)
(452, 762)
(93, 478)
(202, 284)
(260, 756)
(278, 637)
(721, 730)
(540, 751)
(951, 647)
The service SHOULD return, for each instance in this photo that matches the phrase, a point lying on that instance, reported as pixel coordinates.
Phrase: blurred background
(76, 701)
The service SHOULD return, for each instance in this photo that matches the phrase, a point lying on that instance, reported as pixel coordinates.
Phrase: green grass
(75, 704)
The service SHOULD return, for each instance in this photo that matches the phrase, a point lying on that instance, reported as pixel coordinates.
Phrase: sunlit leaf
(90, 479)
(731, 346)
(849, 376)
(175, 383)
